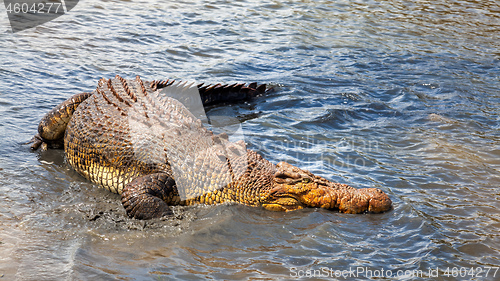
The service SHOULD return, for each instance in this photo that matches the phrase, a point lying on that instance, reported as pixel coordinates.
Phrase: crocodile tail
(219, 93)
(53, 125)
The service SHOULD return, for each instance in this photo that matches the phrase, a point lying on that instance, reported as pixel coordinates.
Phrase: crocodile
(127, 137)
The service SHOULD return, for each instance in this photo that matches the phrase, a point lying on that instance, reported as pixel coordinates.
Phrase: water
(399, 95)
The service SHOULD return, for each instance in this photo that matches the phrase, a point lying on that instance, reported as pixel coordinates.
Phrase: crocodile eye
(306, 180)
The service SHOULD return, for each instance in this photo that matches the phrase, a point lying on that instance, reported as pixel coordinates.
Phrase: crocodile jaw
(295, 189)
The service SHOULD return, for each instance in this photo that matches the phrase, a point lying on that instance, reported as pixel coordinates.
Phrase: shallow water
(399, 95)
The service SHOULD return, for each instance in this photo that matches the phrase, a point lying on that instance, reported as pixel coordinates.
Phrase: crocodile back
(97, 141)
(127, 129)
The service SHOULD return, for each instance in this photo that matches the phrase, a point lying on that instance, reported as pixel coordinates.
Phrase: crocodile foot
(148, 196)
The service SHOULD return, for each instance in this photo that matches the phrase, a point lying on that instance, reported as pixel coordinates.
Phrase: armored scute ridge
(130, 138)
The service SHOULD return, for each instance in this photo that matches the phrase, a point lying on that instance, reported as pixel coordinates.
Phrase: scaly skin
(281, 187)
(53, 125)
(155, 153)
(294, 189)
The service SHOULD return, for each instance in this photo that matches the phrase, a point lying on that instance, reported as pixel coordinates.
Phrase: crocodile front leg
(148, 196)
(53, 125)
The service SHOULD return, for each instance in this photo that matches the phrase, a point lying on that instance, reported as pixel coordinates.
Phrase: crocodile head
(294, 188)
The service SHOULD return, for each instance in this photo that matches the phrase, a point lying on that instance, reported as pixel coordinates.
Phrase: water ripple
(397, 95)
